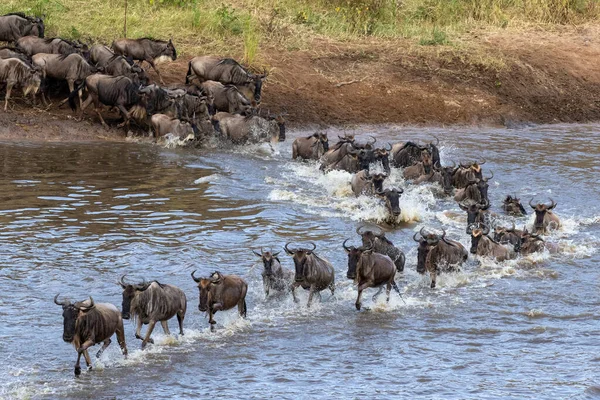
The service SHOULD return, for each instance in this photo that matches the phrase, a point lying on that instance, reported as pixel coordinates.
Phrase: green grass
(239, 27)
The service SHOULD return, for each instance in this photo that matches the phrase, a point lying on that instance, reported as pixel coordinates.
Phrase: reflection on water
(75, 217)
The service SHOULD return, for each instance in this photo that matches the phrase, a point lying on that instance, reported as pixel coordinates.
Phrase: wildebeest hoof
(432, 285)
(357, 306)
(77, 371)
(138, 337)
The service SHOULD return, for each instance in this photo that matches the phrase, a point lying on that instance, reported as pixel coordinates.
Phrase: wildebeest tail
(395, 286)
(73, 94)
(189, 73)
(244, 310)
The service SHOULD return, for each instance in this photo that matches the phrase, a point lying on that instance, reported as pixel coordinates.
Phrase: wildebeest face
(392, 200)
(267, 258)
(378, 180)
(447, 173)
(325, 141)
(476, 235)
(170, 51)
(422, 252)
(70, 314)
(281, 124)
(512, 205)
(300, 257)
(128, 295)
(204, 288)
(426, 160)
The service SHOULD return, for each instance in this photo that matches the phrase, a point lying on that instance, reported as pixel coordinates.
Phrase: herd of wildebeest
(225, 98)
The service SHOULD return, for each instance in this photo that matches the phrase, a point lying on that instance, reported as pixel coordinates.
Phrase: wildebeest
(343, 147)
(529, 243)
(437, 254)
(392, 201)
(368, 155)
(163, 124)
(370, 269)
(116, 65)
(220, 293)
(440, 175)
(512, 206)
(146, 49)
(409, 153)
(475, 191)
(504, 235)
(250, 129)
(310, 148)
(14, 26)
(15, 72)
(32, 45)
(483, 245)
(364, 183)
(12, 52)
(382, 245)
(114, 91)
(228, 98)
(313, 272)
(466, 173)
(226, 71)
(274, 276)
(421, 168)
(68, 67)
(476, 212)
(87, 323)
(151, 302)
(545, 219)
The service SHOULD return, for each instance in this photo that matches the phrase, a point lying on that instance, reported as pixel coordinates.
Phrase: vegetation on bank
(240, 27)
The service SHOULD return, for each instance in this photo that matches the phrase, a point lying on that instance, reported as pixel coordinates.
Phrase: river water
(74, 217)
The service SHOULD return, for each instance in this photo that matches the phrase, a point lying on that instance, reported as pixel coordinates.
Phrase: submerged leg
(180, 317)
(377, 294)
(148, 333)
(165, 326)
(104, 346)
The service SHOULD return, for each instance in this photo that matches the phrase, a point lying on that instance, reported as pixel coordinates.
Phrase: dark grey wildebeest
(250, 129)
(226, 71)
(31, 45)
(220, 293)
(227, 98)
(313, 272)
(163, 124)
(530, 243)
(545, 219)
(409, 153)
(437, 254)
(365, 183)
(370, 270)
(152, 51)
(310, 148)
(476, 212)
(391, 198)
(12, 52)
(150, 302)
(15, 72)
(87, 323)
(68, 67)
(382, 245)
(483, 245)
(113, 64)
(274, 276)
(14, 26)
(419, 169)
(512, 206)
(505, 235)
(466, 173)
(440, 175)
(475, 190)
(113, 91)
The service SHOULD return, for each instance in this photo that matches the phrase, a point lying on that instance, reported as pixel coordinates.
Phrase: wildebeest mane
(229, 61)
(20, 14)
(61, 57)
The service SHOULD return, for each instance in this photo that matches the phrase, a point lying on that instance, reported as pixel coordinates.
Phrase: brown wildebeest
(250, 129)
(151, 302)
(440, 175)
(382, 245)
(11, 52)
(274, 276)
(152, 51)
(466, 173)
(529, 243)
(483, 245)
(32, 45)
(15, 72)
(512, 206)
(364, 183)
(87, 323)
(475, 191)
(114, 91)
(313, 272)
(14, 26)
(476, 212)
(68, 67)
(226, 71)
(310, 148)
(163, 124)
(113, 64)
(227, 98)
(392, 201)
(545, 219)
(343, 147)
(220, 293)
(369, 269)
(504, 235)
(419, 169)
(437, 254)
(409, 153)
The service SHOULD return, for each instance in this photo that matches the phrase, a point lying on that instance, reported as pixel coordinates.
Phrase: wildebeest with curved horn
(228, 98)
(220, 293)
(32, 45)
(382, 245)
(409, 153)
(512, 206)
(368, 184)
(483, 245)
(312, 147)
(476, 190)
(226, 71)
(14, 26)
(476, 212)
(87, 323)
(343, 147)
(505, 235)
(440, 175)
(392, 201)
(152, 51)
(274, 276)
(250, 129)
(529, 243)
(419, 169)
(545, 219)
(150, 302)
(313, 272)
(15, 72)
(437, 254)
(116, 65)
(370, 269)
(466, 173)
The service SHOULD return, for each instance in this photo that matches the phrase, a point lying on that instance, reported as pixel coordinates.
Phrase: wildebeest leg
(120, 331)
(9, 87)
(395, 286)
(332, 288)
(151, 62)
(433, 274)
(148, 333)
(180, 317)
(104, 346)
(377, 294)
(77, 365)
(83, 349)
(85, 105)
(360, 290)
(165, 326)
(242, 308)
(388, 289)
(88, 360)
(138, 329)
(311, 293)
(71, 88)
(294, 286)
(125, 115)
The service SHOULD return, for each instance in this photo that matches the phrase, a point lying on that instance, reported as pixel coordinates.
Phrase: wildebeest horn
(62, 303)
(552, 205)
(531, 205)
(314, 247)
(443, 233)
(358, 230)
(344, 246)
(194, 278)
(421, 232)
(260, 255)
(390, 146)
(415, 237)
(482, 161)
(463, 206)
(437, 140)
(374, 140)
(487, 179)
(287, 250)
(122, 281)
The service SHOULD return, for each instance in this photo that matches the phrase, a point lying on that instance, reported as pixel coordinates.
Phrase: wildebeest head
(168, 51)
(447, 173)
(370, 236)
(473, 210)
(255, 85)
(129, 292)
(37, 28)
(392, 200)
(205, 286)
(267, 258)
(512, 205)
(434, 151)
(281, 124)
(426, 243)
(300, 256)
(322, 137)
(529, 243)
(540, 210)
(426, 160)
(32, 81)
(70, 314)
(477, 231)
(503, 234)
(383, 156)
(483, 187)
(354, 255)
